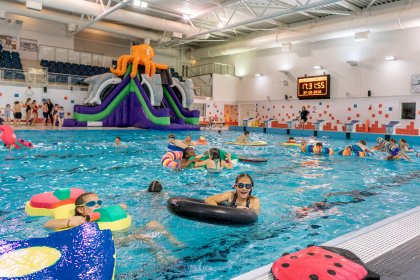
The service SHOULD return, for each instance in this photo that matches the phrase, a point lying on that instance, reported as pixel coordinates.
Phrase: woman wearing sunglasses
(241, 198)
(85, 204)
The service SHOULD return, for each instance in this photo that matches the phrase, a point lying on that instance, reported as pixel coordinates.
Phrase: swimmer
(214, 161)
(117, 141)
(188, 157)
(155, 186)
(85, 205)
(291, 140)
(243, 138)
(241, 198)
(404, 146)
(179, 143)
(360, 147)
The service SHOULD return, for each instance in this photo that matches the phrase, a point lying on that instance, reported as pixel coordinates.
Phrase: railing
(72, 56)
(41, 77)
(210, 68)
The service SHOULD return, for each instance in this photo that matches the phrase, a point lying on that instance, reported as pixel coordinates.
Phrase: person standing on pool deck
(243, 138)
(241, 198)
(303, 117)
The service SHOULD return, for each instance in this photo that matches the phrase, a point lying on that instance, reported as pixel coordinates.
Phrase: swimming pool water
(290, 179)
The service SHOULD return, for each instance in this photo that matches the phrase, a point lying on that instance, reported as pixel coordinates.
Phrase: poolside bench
(391, 127)
(319, 125)
(351, 126)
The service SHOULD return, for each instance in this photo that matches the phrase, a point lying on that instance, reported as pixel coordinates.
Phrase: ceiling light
(317, 67)
(143, 4)
(352, 62)
(390, 58)
(220, 25)
(137, 3)
(361, 36)
(34, 5)
(186, 17)
(258, 74)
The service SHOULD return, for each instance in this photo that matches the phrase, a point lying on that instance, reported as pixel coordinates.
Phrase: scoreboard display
(314, 87)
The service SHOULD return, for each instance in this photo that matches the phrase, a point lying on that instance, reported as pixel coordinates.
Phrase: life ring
(60, 255)
(8, 137)
(60, 205)
(321, 263)
(169, 159)
(313, 149)
(197, 210)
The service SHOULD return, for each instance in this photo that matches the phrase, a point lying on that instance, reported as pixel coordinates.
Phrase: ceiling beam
(349, 6)
(332, 12)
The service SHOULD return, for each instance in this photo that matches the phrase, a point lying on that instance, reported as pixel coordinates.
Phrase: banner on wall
(8, 42)
(314, 87)
(28, 45)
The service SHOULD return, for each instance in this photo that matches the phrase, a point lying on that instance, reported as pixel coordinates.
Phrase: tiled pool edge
(412, 140)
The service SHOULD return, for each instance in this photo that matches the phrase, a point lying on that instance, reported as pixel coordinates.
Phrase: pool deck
(390, 247)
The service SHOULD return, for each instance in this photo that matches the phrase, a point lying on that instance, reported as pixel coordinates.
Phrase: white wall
(57, 96)
(45, 32)
(223, 86)
(373, 73)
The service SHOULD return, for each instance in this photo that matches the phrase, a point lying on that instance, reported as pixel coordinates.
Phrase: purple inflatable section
(97, 109)
(164, 112)
(185, 113)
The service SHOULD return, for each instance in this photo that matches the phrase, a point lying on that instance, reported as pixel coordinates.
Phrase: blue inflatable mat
(83, 252)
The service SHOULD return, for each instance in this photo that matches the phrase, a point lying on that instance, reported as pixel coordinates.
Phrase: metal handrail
(211, 68)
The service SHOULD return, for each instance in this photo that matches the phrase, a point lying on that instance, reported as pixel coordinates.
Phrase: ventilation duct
(379, 21)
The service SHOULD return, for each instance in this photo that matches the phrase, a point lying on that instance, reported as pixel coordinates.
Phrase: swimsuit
(233, 203)
(303, 115)
(28, 108)
(61, 115)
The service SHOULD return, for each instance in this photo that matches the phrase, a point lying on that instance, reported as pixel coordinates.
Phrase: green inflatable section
(131, 87)
(111, 213)
(178, 113)
(222, 155)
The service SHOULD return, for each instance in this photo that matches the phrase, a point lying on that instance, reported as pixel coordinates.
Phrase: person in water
(214, 161)
(188, 157)
(240, 198)
(243, 138)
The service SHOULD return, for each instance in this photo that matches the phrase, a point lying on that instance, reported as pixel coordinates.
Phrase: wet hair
(245, 175)
(318, 144)
(171, 136)
(80, 200)
(185, 152)
(392, 140)
(403, 140)
(118, 137)
(7, 105)
(291, 138)
(363, 142)
(154, 186)
(61, 107)
(16, 102)
(246, 132)
(214, 153)
(27, 100)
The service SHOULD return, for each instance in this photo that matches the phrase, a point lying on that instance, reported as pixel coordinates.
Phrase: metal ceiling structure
(197, 23)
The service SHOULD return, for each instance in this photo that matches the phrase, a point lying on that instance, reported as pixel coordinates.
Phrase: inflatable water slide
(136, 100)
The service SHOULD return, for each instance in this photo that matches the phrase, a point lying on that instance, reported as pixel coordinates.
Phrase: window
(408, 111)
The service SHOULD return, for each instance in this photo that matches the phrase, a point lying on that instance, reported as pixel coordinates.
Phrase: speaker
(369, 93)
(286, 97)
(45, 89)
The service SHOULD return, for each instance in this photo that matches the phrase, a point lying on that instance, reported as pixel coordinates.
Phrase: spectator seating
(12, 64)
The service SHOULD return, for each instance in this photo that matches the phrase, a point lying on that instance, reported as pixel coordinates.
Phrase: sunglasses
(92, 203)
(242, 185)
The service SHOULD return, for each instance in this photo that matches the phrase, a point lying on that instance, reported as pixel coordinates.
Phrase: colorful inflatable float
(255, 143)
(83, 252)
(59, 204)
(318, 150)
(8, 136)
(347, 152)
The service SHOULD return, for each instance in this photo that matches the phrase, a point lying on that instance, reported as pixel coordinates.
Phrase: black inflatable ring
(197, 210)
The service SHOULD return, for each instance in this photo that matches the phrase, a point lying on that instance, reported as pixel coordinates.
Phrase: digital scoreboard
(315, 87)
